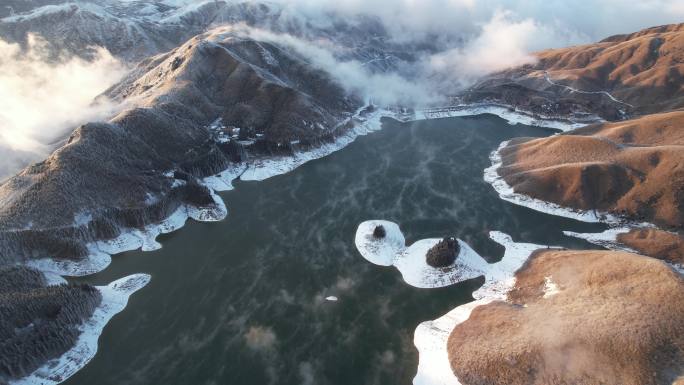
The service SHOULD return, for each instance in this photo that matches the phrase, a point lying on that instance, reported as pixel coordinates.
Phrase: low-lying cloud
(44, 96)
(385, 88)
(470, 38)
(574, 21)
(501, 42)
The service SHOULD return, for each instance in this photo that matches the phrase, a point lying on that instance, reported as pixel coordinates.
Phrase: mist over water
(243, 301)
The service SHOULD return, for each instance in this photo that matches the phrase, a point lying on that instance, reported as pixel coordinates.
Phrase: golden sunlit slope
(645, 69)
(633, 168)
(577, 317)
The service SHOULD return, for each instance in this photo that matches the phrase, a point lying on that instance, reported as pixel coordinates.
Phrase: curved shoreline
(101, 252)
(609, 240)
(115, 295)
(430, 337)
(114, 300)
(410, 260)
(506, 192)
(132, 239)
(509, 113)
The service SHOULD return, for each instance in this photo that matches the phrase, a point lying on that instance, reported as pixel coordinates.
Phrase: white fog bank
(44, 98)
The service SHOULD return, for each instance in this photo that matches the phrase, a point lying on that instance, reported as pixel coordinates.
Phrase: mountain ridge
(637, 160)
(116, 172)
(620, 77)
(571, 316)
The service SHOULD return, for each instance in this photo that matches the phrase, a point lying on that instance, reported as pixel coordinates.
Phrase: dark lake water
(242, 301)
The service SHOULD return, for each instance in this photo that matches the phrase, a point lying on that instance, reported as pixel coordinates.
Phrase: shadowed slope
(115, 175)
(38, 322)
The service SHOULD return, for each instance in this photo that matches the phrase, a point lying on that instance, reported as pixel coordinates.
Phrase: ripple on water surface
(249, 300)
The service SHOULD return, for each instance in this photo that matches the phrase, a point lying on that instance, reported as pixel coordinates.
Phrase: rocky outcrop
(38, 322)
(379, 232)
(577, 317)
(443, 253)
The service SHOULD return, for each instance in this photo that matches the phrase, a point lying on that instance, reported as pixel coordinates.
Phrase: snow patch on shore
(431, 337)
(607, 239)
(416, 272)
(52, 279)
(550, 287)
(379, 251)
(213, 213)
(501, 275)
(100, 252)
(491, 176)
(93, 263)
(223, 181)
(513, 116)
(145, 239)
(411, 260)
(114, 300)
(265, 168)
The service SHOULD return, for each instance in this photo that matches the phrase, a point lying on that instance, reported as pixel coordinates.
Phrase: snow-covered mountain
(273, 96)
(191, 113)
(201, 70)
(218, 88)
(133, 30)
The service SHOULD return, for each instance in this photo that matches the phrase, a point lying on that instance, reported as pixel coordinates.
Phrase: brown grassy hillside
(655, 243)
(634, 168)
(616, 320)
(645, 70)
